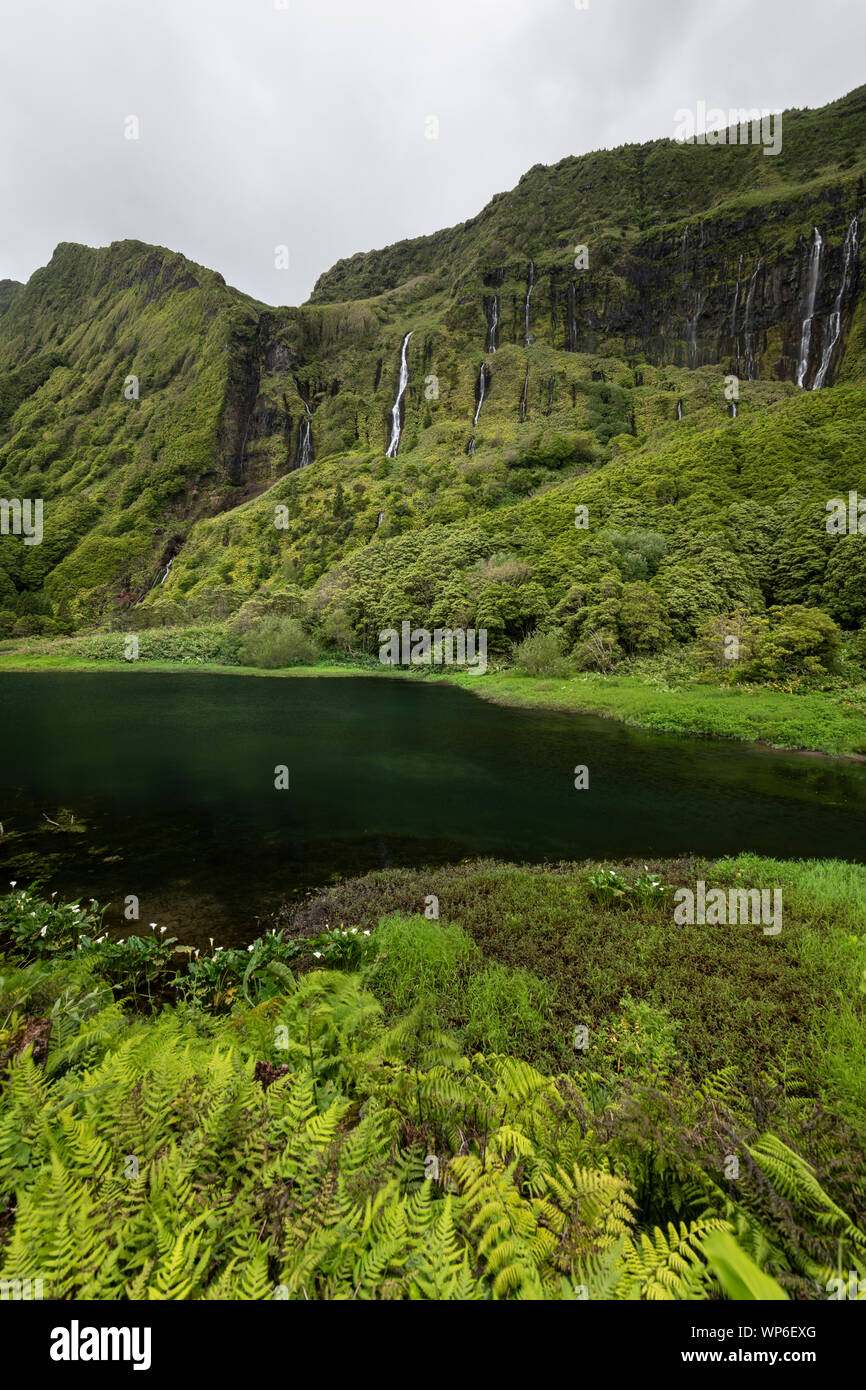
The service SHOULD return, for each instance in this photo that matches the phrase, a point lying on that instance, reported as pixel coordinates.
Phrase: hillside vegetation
(611, 448)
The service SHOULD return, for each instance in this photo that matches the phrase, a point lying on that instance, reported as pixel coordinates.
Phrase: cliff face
(597, 303)
(686, 297)
(669, 231)
(8, 291)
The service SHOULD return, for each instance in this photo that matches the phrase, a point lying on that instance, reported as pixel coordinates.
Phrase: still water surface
(163, 787)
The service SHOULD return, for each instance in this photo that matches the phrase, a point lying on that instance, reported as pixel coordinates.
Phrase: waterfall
(492, 323)
(693, 330)
(736, 298)
(679, 410)
(305, 443)
(523, 402)
(735, 338)
(749, 324)
(811, 291)
(684, 254)
(162, 576)
(470, 447)
(482, 392)
(571, 342)
(528, 297)
(397, 411)
(305, 428)
(732, 410)
(244, 444)
(834, 323)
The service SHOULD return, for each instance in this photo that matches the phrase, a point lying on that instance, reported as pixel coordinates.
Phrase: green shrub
(642, 627)
(33, 927)
(844, 591)
(338, 630)
(607, 886)
(133, 966)
(209, 644)
(599, 651)
(856, 648)
(278, 642)
(718, 655)
(34, 988)
(648, 888)
(801, 642)
(640, 552)
(640, 1041)
(540, 655)
(506, 1011)
(490, 1007)
(415, 959)
(263, 970)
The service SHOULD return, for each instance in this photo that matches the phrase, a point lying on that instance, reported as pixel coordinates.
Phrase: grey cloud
(305, 125)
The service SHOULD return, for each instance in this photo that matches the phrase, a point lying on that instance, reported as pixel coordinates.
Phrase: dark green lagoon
(162, 786)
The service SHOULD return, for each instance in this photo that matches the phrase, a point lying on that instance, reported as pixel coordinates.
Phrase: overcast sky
(304, 122)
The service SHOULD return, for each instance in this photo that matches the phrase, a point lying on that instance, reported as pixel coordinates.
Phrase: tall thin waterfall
(571, 342)
(305, 430)
(811, 291)
(693, 330)
(679, 410)
(523, 401)
(833, 331)
(684, 254)
(482, 392)
(305, 443)
(528, 335)
(735, 336)
(397, 410)
(749, 327)
(736, 297)
(243, 451)
(493, 324)
(162, 576)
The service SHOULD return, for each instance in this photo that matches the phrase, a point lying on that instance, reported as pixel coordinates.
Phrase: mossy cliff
(163, 417)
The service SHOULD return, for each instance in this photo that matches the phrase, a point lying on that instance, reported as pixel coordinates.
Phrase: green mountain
(199, 453)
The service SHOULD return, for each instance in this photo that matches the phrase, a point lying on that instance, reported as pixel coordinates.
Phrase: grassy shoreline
(816, 722)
